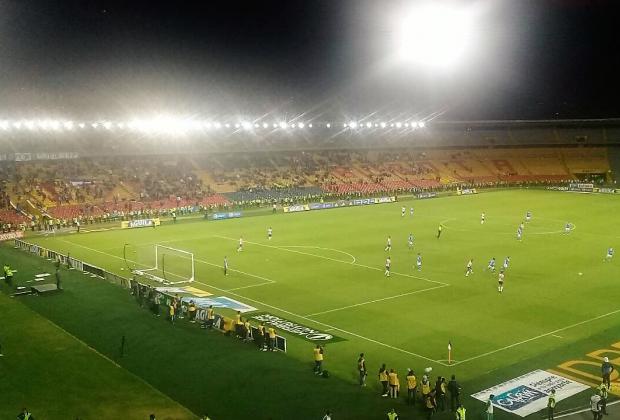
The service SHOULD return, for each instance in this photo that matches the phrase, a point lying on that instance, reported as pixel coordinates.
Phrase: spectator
(604, 391)
(430, 404)
(460, 412)
(272, 338)
(328, 415)
(391, 415)
(489, 410)
(152, 417)
(57, 274)
(361, 368)
(440, 392)
(192, 311)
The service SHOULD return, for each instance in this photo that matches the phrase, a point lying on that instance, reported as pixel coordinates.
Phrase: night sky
(105, 59)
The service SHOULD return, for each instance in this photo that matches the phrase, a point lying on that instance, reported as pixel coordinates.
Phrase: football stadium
(170, 253)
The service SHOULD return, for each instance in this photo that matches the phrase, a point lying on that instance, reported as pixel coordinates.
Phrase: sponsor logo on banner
(556, 188)
(11, 235)
(528, 394)
(466, 191)
(581, 187)
(605, 190)
(299, 207)
(130, 224)
(307, 333)
(220, 302)
(229, 215)
(428, 194)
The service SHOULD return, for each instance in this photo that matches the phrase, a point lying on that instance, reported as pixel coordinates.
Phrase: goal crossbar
(160, 253)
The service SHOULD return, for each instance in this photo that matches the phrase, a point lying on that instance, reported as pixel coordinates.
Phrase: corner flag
(449, 352)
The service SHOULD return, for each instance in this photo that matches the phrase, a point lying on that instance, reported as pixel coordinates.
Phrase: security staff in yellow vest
(210, 317)
(391, 415)
(604, 392)
(394, 383)
(551, 405)
(25, 415)
(460, 412)
(426, 387)
(383, 378)
(412, 387)
(318, 359)
(272, 339)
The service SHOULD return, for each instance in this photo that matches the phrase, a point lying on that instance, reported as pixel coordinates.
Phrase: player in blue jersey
(610, 254)
(418, 262)
(506, 263)
(492, 264)
(388, 244)
(410, 241)
(528, 216)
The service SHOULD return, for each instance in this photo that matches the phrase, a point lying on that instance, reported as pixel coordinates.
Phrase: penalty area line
(550, 333)
(377, 300)
(293, 314)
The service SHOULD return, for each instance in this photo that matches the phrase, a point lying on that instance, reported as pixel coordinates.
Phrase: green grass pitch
(324, 269)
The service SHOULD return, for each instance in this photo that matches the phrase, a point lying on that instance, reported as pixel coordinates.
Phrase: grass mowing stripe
(376, 300)
(537, 337)
(283, 248)
(288, 312)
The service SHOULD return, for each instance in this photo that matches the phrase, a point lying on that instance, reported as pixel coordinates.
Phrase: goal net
(161, 263)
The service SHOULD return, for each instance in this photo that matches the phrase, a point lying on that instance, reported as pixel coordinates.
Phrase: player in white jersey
(506, 263)
(410, 241)
(522, 226)
(388, 244)
(411, 211)
(388, 265)
(491, 265)
(240, 247)
(500, 282)
(269, 233)
(403, 210)
(225, 266)
(418, 262)
(482, 217)
(528, 216)
(567, 228)
(470, 268)
(610, 254)
(519, 233)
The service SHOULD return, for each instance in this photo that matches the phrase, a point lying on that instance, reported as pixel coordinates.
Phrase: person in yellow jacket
(604, 393)
(391, 415)
(272, 339)
(394, 383)
(426, 387)
(383, 378)
(460, 412)
(412, 387)
(318, 359)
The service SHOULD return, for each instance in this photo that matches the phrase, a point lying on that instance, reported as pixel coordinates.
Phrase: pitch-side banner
(529, 393)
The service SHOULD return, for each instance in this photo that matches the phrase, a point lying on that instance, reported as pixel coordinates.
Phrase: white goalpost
(167, 265)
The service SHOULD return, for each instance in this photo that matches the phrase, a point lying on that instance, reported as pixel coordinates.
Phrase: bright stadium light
(107, 125)
(328, 125)
(256, 126)
(435, 34)
(414, 124)
(406, 124)
(17, 124)
(246, 125)
(95, 125)
(399, 125)
(421, 124)
(68, 125)
(265, 125)
(31, 125)
(301, 125)
(383, 125)
(368, 125)
(217, 124)
(283, 125)
(4, 125)
(120, 125)
(310, 125)
(353, 124)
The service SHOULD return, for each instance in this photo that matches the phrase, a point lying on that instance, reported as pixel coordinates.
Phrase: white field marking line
(318, 247)
(335, 260)
(265, 280)
(253, 285)
(288, 312)
(583, 410)
(556, 336)
(378, 300)
(540, 336)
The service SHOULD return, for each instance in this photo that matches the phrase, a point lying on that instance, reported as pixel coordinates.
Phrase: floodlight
(421, 124)
(310, 125)
(328, 125)
(55, 125)
(107, 125)
(218, 125)
(227, 125)
(293, 125)
(94, 125)
(353, 124)
(30, 125)
(275, 125)
(4, 125)
(383, 125)
(68, 125)
(283, 125)
(435, 34)
(301, 125)
(81, 125)
(414, 124)
(368, 125)
(399, 125)
(120, 125)
(406, 124)
(265, 125)
(246, 125)
(17, 124)
(256, 125)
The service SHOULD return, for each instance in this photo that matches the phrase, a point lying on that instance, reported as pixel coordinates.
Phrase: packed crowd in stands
(91, 190)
